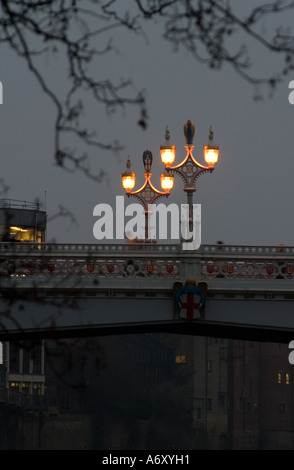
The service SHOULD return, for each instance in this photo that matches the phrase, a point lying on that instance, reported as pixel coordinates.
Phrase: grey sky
(246, 200)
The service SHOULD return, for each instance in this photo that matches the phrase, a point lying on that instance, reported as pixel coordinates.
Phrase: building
(22, 221)
(24, 371)
(23, 361)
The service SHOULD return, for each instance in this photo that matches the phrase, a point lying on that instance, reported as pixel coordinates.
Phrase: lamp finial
(189, 131)
(167, 135)
(210, 135)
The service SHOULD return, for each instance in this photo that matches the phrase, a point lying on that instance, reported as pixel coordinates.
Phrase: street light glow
(128, 177)
(167, 181)
(210, 155)
(167, 151)
(167, 154)
(211, 151)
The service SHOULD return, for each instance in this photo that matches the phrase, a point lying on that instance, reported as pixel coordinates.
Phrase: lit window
(13, 384)
(287, 379)
(279, 378)
(180, 359)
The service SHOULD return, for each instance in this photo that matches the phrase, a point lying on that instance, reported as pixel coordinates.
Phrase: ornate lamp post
(189, 169)
(147, 194)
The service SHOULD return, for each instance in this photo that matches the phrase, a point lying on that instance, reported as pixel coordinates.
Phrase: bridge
(73, 289)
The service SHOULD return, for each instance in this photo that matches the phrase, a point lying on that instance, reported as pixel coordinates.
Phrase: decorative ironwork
(147, 194)
(246, 269)
(189, 169)
(211, 263)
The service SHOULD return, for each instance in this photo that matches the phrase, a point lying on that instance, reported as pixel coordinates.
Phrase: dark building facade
(23, 361)
(22, 221)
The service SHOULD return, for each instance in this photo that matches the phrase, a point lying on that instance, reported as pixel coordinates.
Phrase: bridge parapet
(142, 264)
(89, 265)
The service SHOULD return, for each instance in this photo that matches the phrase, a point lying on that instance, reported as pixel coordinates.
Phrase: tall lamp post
(147, 194)
(189, 169)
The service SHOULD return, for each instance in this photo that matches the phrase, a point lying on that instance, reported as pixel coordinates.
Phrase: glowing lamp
(128, 177)
(128, 181)
(211, 154)
(211, 151)
(167, 153)
(167, 181)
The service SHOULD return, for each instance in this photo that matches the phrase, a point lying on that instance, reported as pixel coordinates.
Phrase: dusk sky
(246, 200)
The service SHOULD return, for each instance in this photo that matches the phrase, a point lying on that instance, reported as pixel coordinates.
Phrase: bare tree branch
(213, 31)
(33, 28)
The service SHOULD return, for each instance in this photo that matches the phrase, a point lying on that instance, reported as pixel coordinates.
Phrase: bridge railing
(145, 261)
(252, 263)
(79, 261)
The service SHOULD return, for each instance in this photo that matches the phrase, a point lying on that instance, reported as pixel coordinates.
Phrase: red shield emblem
(230, 268)
(169, 268)
(149, 267)
(269, 269)
(90, 267)
(190, 304)
(289, 270)
(31, 267)
(110, 267)
(51, 267)
(210, 267)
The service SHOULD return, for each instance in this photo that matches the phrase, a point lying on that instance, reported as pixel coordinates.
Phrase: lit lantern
(211, 155)
(167, 152)
(167, 181)
(128, 178)
(211, 151)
